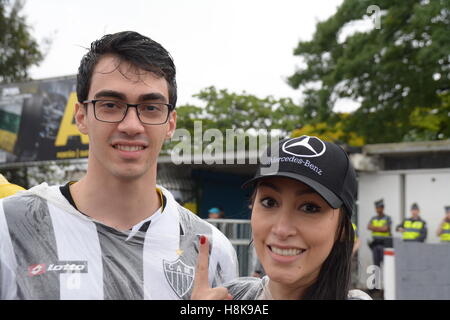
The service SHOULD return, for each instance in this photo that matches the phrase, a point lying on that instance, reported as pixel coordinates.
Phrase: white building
(401, 174)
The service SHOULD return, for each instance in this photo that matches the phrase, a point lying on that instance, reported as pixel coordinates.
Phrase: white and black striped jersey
(49, 250)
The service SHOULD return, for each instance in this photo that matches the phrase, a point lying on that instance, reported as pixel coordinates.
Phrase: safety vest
(380, 222)
(412, 229)
(354, 229)
(445, 235)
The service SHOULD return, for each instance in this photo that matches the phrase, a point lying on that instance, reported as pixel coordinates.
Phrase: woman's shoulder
(358, 295)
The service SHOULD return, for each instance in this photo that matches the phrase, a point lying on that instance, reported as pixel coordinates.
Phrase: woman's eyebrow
(299, 192)
(305, 191)
(269, 185)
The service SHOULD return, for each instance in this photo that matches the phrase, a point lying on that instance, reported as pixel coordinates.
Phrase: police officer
(444, 228)
(414, 228)
(380, 225)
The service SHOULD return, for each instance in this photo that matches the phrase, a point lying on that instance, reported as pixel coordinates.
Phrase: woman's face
(294, 230)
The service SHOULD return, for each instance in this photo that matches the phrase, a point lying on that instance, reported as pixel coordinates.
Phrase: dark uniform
(380, 240)
(414, 228)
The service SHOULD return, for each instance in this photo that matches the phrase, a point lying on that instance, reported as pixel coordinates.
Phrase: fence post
(389, 274)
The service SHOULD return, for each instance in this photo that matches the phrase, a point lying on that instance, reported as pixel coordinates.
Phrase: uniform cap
(414, 206)
(379, 203)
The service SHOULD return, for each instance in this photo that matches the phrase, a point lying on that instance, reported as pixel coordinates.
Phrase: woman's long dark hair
(333, 282)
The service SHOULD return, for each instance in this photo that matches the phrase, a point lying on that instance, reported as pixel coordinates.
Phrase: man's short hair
(134, 48)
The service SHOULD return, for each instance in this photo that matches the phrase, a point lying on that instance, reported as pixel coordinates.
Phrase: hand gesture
(202, 290)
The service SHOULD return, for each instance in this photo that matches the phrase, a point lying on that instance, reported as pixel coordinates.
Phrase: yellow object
(445, 235)
(354, 228)
(191, 206)
(380, 223)
(412, 229)
(8, 189)
(68, 128)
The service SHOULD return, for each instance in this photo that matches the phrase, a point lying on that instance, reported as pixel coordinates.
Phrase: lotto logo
(36, 269)
(58, 267)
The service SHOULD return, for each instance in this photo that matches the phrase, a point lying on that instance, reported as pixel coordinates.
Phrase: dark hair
(333, 282)
(132, 47)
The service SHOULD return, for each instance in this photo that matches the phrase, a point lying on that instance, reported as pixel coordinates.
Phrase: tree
(18, 50)
(227, 110)
(243, 114)
(335, 132)
(398, 72)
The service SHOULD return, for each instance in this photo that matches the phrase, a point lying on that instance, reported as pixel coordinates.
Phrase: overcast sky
(239, 45)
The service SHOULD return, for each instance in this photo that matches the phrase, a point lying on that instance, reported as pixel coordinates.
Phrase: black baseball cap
(324, 166)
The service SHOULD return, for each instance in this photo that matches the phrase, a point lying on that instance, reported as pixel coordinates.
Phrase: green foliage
(242, 114)
(331, 131)
(397, 72)
(224, 110)
(18, 50)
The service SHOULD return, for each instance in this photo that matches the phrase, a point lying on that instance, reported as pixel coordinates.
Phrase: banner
(37, 121)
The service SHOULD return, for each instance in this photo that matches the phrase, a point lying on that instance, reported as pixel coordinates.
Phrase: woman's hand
(202, 290)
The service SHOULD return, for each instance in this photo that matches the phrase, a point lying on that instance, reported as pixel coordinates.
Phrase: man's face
(379, 210)
(415, 213)
(129, 149)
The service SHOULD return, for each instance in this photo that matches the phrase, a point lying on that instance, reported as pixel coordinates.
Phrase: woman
(302, 203)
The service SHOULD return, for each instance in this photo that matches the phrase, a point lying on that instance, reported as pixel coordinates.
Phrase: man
(7, 188)
(380, 225)
(443, 231)
(114, 234)
(214, 213)
(414, 228)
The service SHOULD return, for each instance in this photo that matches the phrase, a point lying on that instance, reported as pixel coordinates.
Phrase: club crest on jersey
(179, 275)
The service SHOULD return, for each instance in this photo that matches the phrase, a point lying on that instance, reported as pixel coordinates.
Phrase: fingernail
(202, 239)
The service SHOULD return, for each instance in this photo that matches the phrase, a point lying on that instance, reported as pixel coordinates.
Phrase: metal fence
(238, 231)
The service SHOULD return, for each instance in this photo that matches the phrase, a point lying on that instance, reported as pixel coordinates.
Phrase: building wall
(431, 191)
(372, 187)
(411, 282)
(429, 188)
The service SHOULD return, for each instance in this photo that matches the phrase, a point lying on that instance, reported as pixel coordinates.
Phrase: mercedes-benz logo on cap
(305, 146)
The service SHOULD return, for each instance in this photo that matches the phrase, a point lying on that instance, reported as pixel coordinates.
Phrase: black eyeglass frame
(130, 105)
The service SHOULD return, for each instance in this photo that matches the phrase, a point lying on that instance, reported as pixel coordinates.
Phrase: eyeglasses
(112, 111)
